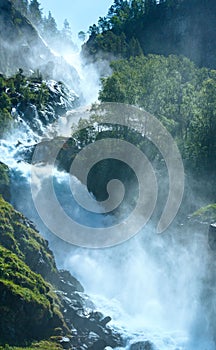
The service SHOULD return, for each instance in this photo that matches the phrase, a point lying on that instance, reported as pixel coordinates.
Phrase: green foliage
(20, 90)
(205, 214)
(16, 276)
(21, 5)
(179, 94)
(46, 25)
(157, 25)
(17, 235)
(35, 12)
(4, 175)
(4, 181)
(43, 345)
(28, 305)
(50, 25)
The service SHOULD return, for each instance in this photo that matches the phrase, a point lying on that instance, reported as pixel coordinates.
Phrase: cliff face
(21, 46)
(188, 30)
(19, 41)
(184, 27)
(29, 308)
(37, 301)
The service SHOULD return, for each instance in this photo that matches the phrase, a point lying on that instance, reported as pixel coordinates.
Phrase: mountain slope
(183, 27)
(36, 300)
(22, 47)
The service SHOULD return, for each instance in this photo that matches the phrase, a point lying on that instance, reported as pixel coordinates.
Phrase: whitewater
(153, 286)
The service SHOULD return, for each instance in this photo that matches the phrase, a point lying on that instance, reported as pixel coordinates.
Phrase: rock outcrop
(37, 301)
(21, 46)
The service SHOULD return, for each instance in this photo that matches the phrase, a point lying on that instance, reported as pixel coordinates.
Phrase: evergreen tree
(67, 32)
(35, 13)
(50, 26)
(82, 35)
(21, 5)
(137, 8)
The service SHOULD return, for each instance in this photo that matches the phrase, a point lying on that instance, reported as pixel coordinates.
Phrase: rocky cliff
(21, 46)
(37, 301)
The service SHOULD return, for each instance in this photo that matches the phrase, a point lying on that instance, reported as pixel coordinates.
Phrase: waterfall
(151, 285)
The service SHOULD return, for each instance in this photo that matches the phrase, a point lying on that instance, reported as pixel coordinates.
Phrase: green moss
(4, 180)
(19, 89)
(18, 235)
(205, 214)
(29, 307)
(4, 175)
(43, 345)
(17, 277)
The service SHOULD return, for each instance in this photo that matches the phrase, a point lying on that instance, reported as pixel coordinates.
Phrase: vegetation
(205, 214)
(20, 237)
(28, 305)
(32, 98)
(4, 181)
(46, 25)
(20, 90)
(179, 94)
(151, 26)
(43, 345)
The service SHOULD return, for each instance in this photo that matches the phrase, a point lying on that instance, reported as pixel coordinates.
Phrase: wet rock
(68, 283)
(105, 320)
(65, 343)
(98, 345)
(91, 325)
(212, 236)
(142, 345)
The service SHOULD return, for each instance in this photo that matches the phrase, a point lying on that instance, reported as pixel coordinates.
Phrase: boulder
(212, 236)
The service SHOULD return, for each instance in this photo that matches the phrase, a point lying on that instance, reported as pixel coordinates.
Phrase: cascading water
(152, 286)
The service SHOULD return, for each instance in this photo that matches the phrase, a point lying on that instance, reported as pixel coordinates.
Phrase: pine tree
(50, 26)
(67, 29)
(35, 13)
(21, 5)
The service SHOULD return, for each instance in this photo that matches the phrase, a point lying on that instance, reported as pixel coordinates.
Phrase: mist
(155, 287)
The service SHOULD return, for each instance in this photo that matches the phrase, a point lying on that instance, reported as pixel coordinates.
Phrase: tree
(113, 90)
(134, 48)
(137, 8)
(103, 24)
(22, 6)
(82, 35)
(93, 30)
(67, 29)
(35, 13)
(49, 25)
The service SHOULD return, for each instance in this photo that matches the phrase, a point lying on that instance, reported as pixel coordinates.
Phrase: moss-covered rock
(4, 181)
(43, 345)
(38, 302)
(19, 235)
(29, 309)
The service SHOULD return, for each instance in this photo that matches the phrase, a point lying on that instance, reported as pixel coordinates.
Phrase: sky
(79, 13)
